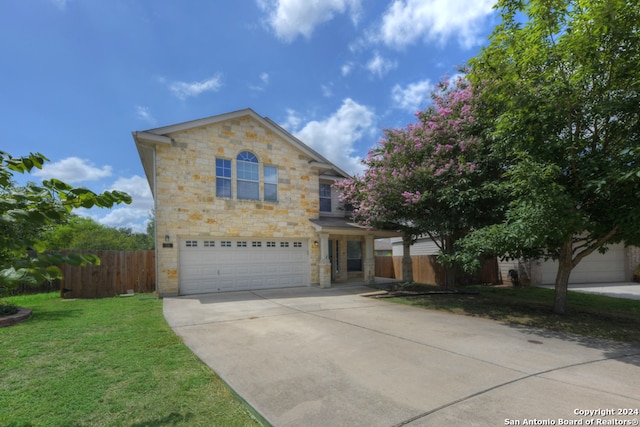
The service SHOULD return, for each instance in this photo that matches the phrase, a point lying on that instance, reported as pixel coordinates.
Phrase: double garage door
(595, 268)
(222, 264)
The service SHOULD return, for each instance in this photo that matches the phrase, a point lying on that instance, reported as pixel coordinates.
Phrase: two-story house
(242, 204)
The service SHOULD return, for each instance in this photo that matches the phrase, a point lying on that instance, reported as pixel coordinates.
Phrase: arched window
(248, 176)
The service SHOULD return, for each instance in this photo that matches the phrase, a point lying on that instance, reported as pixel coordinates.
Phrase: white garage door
(595, 268)
(221, 265)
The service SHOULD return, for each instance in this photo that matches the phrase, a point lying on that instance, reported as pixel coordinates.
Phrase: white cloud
(134, 216)
(335, 136)
(293, 120)
(327, 90)
(412, 97)
(346, 69)
(264, 79)
(291, 18)
(407, 21)
(184, 90)
(125, 217)
(138, 188)
(73, 169)
(380, 66)
(144, 114)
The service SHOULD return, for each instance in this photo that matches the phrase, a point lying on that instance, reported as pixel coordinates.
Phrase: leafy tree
(426, 178)
(376, 198)
(151, 231)
(86, 234)
(24, 211)
(560, 80)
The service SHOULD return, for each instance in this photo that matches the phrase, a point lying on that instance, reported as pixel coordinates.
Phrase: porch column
(369, 265)
(325, 262)
(407, 263)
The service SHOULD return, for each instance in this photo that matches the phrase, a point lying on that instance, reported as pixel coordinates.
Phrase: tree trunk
(407, 264)
(565, 265)
(450, 269)
(450, 277)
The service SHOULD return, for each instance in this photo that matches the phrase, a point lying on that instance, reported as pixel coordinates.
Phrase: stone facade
(186, 202)
(180, 164)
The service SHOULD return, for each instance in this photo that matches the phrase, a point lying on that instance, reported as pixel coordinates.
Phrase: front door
(354, 255)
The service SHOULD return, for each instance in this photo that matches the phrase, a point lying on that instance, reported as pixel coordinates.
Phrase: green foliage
(86, 234)
(27, 211)
(7, 309)
(107, 361)
(561, 85)
(428, 177)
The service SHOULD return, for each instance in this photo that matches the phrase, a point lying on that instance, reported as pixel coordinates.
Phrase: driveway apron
(331, 357)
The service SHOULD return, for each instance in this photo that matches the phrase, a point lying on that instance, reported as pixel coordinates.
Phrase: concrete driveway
(627, 290)
(330, 357)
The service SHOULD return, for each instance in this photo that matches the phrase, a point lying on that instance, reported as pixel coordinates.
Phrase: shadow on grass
(54, 315)
(616, 334)
(172, 419)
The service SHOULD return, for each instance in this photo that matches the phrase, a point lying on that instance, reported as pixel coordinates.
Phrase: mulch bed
(413, 290)
(22, 315)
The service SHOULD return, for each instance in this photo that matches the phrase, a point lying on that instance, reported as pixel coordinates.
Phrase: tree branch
(601, 241)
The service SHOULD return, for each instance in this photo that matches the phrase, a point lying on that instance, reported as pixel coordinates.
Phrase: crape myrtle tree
(376, 198)
(426, 178)
(561, 81)
(26, 211)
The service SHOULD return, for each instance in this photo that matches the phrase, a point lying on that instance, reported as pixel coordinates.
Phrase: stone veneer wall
(187, 205)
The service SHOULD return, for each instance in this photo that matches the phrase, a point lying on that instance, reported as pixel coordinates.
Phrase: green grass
(106, 362)
(588, 314)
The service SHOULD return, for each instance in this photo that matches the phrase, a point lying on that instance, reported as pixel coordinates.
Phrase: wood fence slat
(118, 272)
(427, 270)
(384, 267)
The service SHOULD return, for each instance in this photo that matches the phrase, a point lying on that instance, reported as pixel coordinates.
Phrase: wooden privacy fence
(119, 272)
(427, 270)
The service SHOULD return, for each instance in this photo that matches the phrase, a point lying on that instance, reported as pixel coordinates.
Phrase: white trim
(317, 161)
(151, 138)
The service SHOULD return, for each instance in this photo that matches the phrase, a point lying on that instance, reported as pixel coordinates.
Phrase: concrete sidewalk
(329, 357)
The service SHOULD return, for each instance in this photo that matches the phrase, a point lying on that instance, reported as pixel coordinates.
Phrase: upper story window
(271, 183)
(325, 197)
(223, 177)
(248, 176)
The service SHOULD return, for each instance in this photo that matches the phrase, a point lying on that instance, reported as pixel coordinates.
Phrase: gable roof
(148, 139)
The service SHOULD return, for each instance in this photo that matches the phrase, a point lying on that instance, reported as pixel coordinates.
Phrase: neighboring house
(242, 204)
(615, 265)
(422, 246)
(382, 247)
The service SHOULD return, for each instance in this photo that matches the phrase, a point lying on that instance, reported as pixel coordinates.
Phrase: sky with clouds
(79, 76)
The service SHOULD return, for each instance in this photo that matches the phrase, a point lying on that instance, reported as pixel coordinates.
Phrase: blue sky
(78, 76)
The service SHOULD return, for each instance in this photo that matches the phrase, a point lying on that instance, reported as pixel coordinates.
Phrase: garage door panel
(595, 268)
(227, 265)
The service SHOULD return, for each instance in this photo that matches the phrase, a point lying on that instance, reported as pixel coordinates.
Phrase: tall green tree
(561, 84)
(25, 211)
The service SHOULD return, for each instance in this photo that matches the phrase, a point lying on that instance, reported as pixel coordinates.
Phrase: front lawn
(106, 362)
(590, 315)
